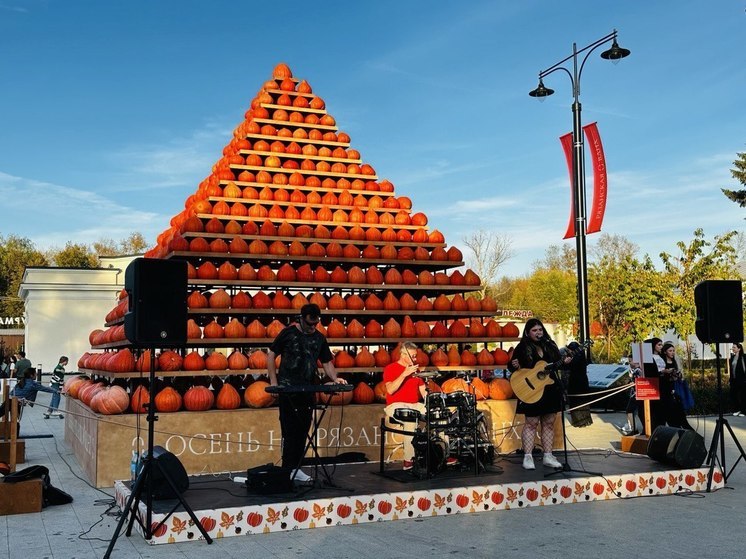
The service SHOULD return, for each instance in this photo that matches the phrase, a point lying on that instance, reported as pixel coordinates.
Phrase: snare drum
(440, 414)
(407, 415)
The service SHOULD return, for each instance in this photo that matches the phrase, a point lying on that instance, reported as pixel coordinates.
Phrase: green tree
(76, 256)
(697, 261)
(16, 253)
(625, 299)
(135, 243)
(739, 173)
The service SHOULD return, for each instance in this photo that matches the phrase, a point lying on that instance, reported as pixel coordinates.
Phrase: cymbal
(427, 374)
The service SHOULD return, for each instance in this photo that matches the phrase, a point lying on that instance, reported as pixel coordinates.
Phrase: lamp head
(615, 53)
(541, 92)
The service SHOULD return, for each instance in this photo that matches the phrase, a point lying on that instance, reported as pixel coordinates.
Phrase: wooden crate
(5, 447)
(20, 498)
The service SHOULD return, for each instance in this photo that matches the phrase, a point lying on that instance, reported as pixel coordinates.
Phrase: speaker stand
(144, 482)
(718, 437)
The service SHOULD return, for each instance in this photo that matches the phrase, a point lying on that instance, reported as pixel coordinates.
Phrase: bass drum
(435, 450)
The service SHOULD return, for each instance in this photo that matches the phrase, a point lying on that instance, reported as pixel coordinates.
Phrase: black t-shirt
(299, 355)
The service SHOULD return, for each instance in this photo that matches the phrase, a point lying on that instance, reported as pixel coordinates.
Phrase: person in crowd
(58, 379)
(738, 380)
(27, 388)
(404, 390)
(5, 367)
(301, 345)
(632, 404)
(535, 346)
(21, 364)
(655, 370)
(671, 374)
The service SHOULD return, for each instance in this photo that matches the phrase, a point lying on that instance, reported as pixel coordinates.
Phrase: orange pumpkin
(139, 398)
(169, 361)
(343, 360)
(438, 358)
(228, 398)
(193, 362)
(363, 394)
(256, 396)
(500, 389)
(216, 361)
(168, 400)
(380, 391)
(198, 398)
(510, 330)
(111, 400)
(237, 361)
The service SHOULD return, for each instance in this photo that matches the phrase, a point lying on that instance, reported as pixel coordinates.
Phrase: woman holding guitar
(535, 346)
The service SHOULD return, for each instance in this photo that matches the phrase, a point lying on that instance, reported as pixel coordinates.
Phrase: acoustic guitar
(528, 384)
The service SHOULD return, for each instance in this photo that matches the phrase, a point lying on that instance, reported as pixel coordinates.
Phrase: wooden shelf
(285, 124)
(268, 137)
(253, 201)
(427, 290)
(230, 372)
(428, 316)
(308, 240)
(413, 265)
(291, 108)
(299, 155)
(296, 93)
(305, 188)
(278, 221)
(337, 342)
(235, 167)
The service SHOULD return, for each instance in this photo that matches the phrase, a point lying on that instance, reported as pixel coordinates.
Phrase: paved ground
(700, 525)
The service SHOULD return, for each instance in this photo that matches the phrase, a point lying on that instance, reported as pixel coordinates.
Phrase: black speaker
(678, 447)
(268, 479)
(719, 311)
(166, 463)
(157, 313)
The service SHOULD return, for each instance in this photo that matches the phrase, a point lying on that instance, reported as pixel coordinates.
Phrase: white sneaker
(299, 476)
(551, 461)
(528, 462)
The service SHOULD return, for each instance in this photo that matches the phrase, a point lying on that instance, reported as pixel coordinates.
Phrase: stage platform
(362, 494)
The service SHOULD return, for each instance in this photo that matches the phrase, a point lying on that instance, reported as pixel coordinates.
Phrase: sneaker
(299, 476)
(451, 461)
(627, 431)
(737, 414)
(551, 461)
(407, 465)
(528, 462)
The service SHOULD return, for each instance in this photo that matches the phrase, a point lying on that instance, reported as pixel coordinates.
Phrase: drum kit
(451, 427)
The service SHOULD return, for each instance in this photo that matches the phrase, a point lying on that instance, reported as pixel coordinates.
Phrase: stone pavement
(697, 525)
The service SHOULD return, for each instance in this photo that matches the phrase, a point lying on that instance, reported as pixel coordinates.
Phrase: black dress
(527, 355)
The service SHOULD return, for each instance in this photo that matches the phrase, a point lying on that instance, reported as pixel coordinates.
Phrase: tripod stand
(565, 463)
(144, 482)
(718, 437)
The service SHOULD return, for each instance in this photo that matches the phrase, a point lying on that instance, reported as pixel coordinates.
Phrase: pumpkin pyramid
(291, 214)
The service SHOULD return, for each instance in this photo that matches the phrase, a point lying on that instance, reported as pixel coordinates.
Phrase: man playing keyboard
(301, 345)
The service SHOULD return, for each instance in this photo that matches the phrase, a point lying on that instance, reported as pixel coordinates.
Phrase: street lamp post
(615, 53)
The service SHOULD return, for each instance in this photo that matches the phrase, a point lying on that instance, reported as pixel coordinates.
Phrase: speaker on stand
(156, 317)
(719, 305)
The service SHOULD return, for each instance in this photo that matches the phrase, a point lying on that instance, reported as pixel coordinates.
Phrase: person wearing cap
(301, 346)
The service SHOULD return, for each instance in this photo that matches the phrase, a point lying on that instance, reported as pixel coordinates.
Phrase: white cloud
(51, 214)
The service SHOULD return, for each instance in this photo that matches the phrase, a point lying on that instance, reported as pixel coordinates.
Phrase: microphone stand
(566, 468)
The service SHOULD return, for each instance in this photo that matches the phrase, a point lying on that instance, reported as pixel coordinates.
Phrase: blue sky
(112, 112)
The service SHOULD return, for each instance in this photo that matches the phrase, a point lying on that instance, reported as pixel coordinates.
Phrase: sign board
(606, 376)
(647, 389)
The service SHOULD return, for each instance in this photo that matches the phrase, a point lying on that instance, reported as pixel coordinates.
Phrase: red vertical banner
(600, 182)
(566, 142)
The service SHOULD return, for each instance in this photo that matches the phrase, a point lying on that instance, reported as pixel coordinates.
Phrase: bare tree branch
(490, 250)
